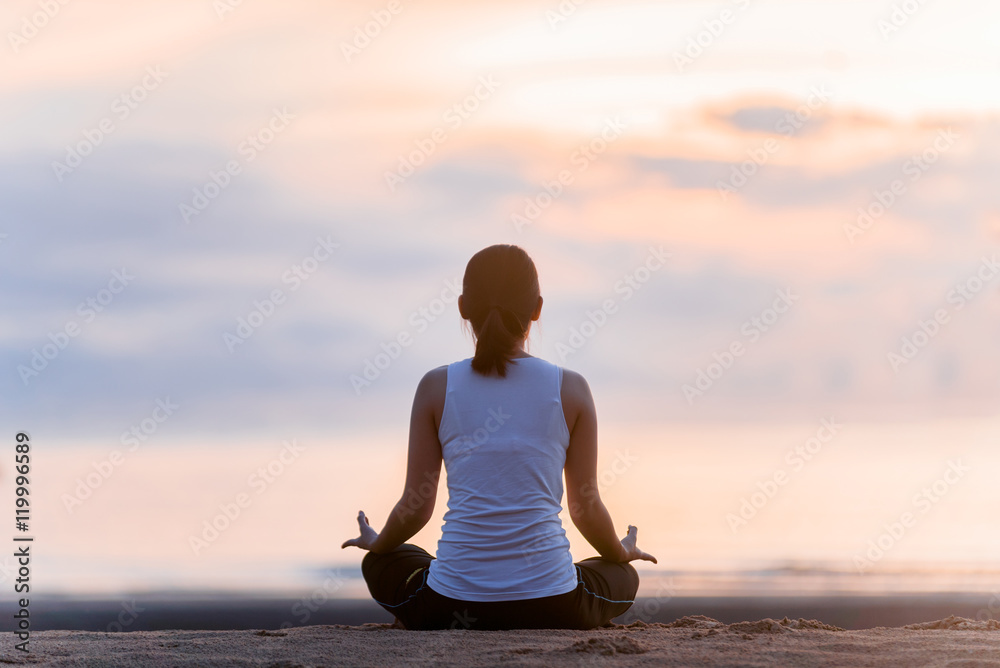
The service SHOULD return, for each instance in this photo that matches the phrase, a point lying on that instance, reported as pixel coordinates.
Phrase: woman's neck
(519, 352)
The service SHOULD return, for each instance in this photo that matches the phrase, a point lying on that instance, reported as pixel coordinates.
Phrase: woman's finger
(348, 543)
(648, 557)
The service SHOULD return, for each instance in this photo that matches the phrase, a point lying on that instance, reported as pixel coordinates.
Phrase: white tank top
(504, 446)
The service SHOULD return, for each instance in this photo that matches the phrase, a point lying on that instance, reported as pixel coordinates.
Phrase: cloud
(657, 185)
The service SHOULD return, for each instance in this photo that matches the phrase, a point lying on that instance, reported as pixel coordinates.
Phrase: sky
(226, 222)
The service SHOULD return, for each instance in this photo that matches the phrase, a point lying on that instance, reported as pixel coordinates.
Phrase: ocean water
(728, 510)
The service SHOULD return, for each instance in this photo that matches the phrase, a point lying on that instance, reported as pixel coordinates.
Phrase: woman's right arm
(586, 508)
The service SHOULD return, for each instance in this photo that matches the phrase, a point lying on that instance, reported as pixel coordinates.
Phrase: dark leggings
(397, 581)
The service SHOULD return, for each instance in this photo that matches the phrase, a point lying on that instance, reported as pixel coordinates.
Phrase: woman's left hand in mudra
(367, 537)
(631, 551)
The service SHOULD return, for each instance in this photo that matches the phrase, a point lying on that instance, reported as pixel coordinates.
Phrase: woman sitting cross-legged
(507, 426)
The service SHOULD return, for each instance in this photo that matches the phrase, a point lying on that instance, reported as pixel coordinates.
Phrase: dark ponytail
(499, 296)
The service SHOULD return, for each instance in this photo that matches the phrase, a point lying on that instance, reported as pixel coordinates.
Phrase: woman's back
(503, 441)
(507, 426)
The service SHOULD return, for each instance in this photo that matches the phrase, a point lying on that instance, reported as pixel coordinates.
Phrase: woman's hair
(499, 296)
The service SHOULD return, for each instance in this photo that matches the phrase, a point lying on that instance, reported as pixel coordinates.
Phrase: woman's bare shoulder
(434, 381)
(575, 393)
(574, 383)
(430, 394)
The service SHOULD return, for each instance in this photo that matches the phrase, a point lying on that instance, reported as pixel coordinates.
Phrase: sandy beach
(697, 640)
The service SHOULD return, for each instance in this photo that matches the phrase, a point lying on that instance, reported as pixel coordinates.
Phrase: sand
(702, 641)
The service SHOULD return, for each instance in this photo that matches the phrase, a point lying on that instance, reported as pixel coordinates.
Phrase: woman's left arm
(423, 468)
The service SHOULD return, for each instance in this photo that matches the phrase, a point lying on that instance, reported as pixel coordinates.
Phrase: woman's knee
(633, 576)
(614, 571)
(406, 551)
(367, 561)
(607, 564)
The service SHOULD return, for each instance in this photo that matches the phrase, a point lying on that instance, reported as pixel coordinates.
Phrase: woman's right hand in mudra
(368, 535)
(632, 552)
